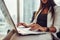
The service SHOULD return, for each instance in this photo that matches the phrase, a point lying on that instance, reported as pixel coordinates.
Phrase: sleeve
(57, 18)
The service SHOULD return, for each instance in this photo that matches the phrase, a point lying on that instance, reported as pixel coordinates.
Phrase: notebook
(20, 30)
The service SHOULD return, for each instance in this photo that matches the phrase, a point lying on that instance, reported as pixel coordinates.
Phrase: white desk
(12, 35)
(31, 37)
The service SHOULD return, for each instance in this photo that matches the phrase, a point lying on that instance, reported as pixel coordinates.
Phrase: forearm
(46, 29)
(43, 29)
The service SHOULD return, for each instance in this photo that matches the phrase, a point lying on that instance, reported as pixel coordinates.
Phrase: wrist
(43, 29)
(47, 30)
(52, 29)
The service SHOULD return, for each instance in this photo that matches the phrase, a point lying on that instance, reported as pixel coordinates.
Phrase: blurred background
(26, 9)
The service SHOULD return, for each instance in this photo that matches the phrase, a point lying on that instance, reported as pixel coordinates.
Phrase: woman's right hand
(22, 24)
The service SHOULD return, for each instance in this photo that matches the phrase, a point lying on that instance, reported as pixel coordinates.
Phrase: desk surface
(31, 37)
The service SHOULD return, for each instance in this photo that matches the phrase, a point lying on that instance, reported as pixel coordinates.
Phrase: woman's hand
(23, 24)
(52, 29)
(43, 29)
(34, 27)
(37, 27)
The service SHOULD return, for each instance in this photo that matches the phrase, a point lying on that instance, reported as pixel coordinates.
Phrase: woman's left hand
(37, 27)
(34, 27)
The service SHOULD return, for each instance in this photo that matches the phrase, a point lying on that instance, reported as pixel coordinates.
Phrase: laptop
(20, 30)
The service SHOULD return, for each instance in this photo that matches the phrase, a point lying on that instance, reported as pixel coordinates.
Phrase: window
(12, 8)
(27, 8)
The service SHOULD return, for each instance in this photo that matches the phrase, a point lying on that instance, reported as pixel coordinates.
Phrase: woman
(41, 24)
(46, 19)
(48, 10)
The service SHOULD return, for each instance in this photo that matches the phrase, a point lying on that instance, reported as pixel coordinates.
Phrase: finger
(18, 24)
(34, 28)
